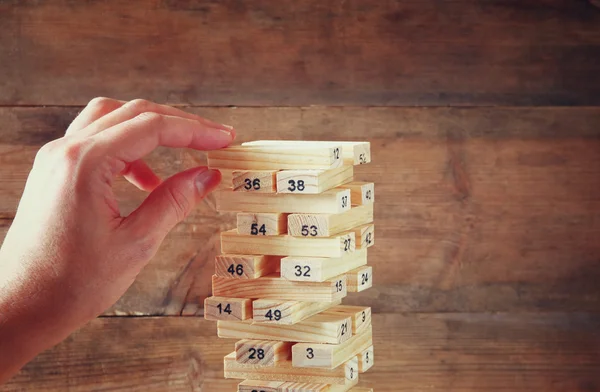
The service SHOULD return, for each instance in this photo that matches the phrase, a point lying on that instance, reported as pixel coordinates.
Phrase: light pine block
(361, 192)
(327, 225)
(359, 389)
(226, 179)
(353, 153)
(346, 374)
(286, 245)
(262, 352)
(320, 269)
(366, 360)
(313, 181)
(276, 157)
(272, 287)
(282, 386)
(333, 328)
(261, 224)
(360, 279)
(274, 311)
(246, 266)
(330, 356)
(365, 236)
(332, 201)
(260, 181)
(259, 386)
(223, 308)
(361, 316)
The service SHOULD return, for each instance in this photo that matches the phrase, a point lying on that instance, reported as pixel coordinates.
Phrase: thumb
(171, 202)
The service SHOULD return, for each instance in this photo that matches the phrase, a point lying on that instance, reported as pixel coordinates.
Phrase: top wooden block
(277, 157)
(353, 153)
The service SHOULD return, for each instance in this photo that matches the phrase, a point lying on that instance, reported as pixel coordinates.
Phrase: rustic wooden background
(484, 118)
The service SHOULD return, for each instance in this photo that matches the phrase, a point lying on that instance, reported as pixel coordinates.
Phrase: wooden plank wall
(484, 119)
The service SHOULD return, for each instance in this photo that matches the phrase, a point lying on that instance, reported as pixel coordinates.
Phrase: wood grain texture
(360, 52)
(434, 352)
(478, 209)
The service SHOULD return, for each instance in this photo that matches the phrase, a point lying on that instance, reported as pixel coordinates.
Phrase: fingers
(135, 138)
(97, 108)
(137, 107)
(171, 202)
(141, 175)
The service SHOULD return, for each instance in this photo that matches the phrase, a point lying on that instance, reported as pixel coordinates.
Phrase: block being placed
(246, 266)
(332, 201)
(276, 157)
(336, 246)
(330, 328)
(319, 269)
(273, 287)
(262, 352)
(223, 308)
(361, 192)
(313, 181)
(330, 356)
(327, 225)
(276, 311)
(346, 374)
(260, 181)
(360, 279)
(353, 153)
(261, 224)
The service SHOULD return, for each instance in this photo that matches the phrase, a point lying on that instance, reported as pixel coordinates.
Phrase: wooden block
(330, 356)
(259, 386)
(361, 316)
(275, 311)
(347, 374)
(365, 236)
(286, 245)
(333, 328)
(246, 266)
(276, 157)
(261, 224)
(311, 387)
(326, 225)
(357, 389)
(226, 179)
(260, 181)
(366, 360)
(271, 287)
(319, 269)
(223, 308)
(313, 181)
(262, 352)
(354, 153)
(332, 201)
(361, 192)
(282, 386)
(360, 279)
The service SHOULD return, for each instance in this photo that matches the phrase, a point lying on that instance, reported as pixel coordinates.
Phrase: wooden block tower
(304, 227)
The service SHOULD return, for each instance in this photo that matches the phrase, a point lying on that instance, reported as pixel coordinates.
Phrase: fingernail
(224, 135)
(207, 181)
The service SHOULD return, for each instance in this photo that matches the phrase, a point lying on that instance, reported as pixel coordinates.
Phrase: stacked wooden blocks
(303, 229)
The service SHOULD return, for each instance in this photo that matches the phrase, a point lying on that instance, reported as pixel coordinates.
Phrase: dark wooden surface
(484, 119)
(274, 52)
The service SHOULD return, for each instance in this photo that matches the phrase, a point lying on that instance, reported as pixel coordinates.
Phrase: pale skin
(70, 254)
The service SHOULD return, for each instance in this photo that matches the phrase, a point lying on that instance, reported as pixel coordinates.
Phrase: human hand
(69, 254)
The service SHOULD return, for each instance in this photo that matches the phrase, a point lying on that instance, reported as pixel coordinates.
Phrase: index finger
(137, 137)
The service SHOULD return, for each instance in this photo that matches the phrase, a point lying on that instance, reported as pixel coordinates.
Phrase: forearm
(29, 324)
